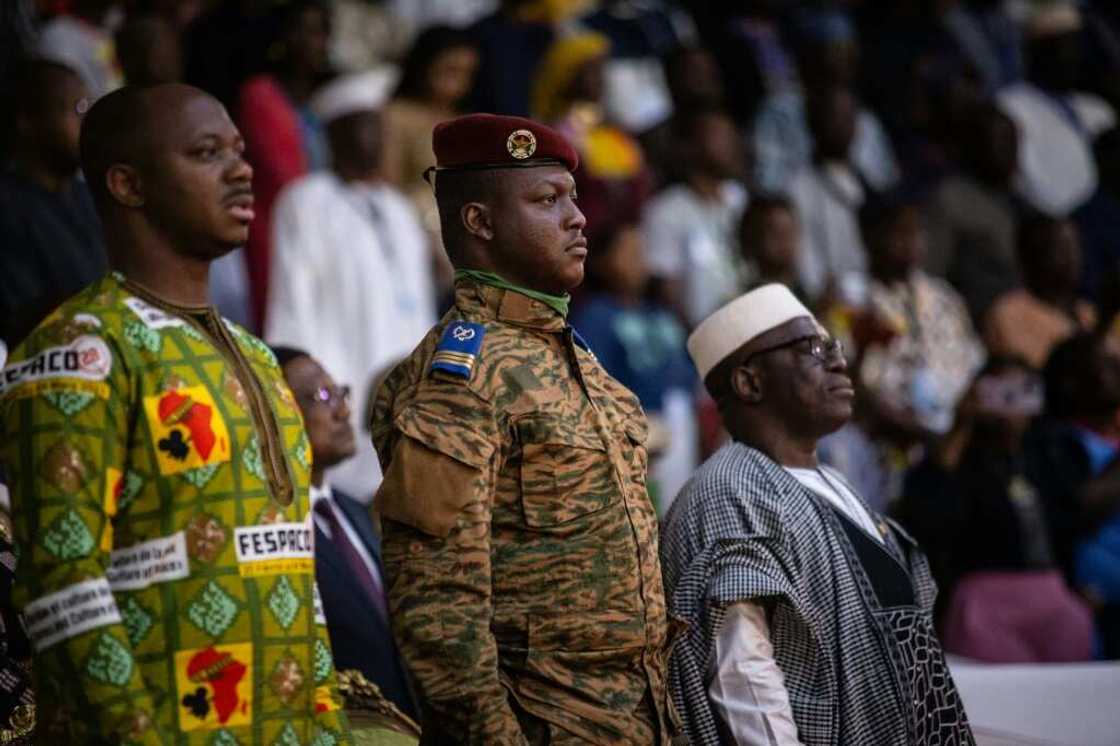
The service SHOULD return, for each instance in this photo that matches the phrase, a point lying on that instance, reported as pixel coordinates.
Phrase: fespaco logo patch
(87, 358)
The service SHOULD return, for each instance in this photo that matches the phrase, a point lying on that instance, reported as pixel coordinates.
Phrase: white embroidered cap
(352, 93)
(740, 321)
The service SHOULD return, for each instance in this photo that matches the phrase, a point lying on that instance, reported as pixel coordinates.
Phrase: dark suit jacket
(360, 636)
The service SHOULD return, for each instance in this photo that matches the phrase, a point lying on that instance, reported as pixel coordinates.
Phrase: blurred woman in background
(436, 76)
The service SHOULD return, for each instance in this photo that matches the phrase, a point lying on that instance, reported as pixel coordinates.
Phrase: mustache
(237, 193)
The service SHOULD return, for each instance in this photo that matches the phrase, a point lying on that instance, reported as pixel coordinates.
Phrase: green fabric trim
(558, 303)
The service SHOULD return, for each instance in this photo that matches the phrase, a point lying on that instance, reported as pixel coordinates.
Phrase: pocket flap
(473, 446)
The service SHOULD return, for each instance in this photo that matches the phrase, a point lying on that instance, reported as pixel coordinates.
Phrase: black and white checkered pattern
(743, 528)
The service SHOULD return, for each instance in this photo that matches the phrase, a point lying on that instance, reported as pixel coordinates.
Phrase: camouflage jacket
(519, 541)
(159, 482)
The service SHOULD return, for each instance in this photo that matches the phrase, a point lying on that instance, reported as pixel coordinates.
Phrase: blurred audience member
(641, 343)
(769, 242)
(227, 44)
(348, 568)
(937, 97)
(83, 40)
(351, 274)
(1098, 220)
(1057, 122)
(827, 55)
(971, 216)
(283, 137)
(50, 236)
(988, 37)
(1030, 321)
(694, 82)
(368, 34)
(640, 35)
(149, 50)
(690, 228)
(981, 520)
(747, 40)
(927, 365)
(568, 91)
(1071, 455)
(828, 194)
(436, 76)
(512, 41)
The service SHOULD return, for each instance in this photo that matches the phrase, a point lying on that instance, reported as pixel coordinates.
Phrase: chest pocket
(566, 471)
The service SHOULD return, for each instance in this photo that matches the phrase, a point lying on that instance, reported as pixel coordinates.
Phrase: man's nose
(240, 170)
(576, 220)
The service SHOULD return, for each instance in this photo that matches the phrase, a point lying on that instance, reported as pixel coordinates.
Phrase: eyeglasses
(819, 347)
(330, 396)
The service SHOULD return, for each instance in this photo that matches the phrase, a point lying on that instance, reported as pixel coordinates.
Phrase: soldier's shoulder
(434, 396)
(463, 350)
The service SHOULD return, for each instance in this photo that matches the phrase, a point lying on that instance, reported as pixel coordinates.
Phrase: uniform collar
(510, 306)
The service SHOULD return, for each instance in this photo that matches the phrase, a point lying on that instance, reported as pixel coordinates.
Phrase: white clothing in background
(351, 284)
(693, 240)
(828, 199)
(748, 689)
(673, 467)
(1057, 173)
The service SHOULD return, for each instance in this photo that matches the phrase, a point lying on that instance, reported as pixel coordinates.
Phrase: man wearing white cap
(809, 616)
(351, 279)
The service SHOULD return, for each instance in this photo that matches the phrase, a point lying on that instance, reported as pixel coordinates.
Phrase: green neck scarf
(558, 303)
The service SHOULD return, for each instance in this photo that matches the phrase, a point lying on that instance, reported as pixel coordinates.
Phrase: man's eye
(550, 199)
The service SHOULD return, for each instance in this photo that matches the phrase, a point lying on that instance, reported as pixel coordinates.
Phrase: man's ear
(747, 384)
(477, 220)
(125, 185)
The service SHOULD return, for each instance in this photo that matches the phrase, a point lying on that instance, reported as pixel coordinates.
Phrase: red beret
(480, 141)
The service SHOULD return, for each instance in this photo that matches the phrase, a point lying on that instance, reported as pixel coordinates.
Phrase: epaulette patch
(458, 348)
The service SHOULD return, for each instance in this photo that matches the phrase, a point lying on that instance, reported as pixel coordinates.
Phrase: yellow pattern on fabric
(140, 490)
(98, 389)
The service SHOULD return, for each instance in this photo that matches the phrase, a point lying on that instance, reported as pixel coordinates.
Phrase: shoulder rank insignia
(458, 348)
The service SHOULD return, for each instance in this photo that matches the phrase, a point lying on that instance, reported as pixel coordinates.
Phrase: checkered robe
(857, 673)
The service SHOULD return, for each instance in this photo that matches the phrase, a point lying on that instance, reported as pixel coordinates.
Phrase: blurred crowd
(939, 180)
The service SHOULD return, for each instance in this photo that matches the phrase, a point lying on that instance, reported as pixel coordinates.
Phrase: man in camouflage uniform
(519, 541)
(159, 468)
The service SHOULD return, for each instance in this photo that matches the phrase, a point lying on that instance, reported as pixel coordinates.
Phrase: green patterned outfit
(159, 479)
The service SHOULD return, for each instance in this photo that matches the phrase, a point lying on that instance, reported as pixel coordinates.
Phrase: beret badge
(521, 144)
